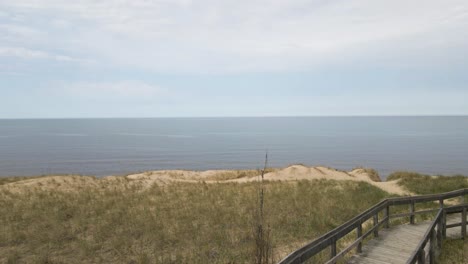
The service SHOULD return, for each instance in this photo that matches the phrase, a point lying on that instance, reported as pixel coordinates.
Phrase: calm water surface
(436, 145)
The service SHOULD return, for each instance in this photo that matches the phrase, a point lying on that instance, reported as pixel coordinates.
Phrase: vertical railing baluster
(443, 230)
(432, 247)
(439, 232)
(333, 248)
(422, 257)
(376, 222)
(463, 223)
(359, 235)
(412, 212)
(387, 216)
(444, 224)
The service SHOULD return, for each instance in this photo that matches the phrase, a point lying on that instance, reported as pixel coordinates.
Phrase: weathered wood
(432, 247)
(444, 223)
(412, 212)
(422, 257)
(359, 235)
(371, 231)
(453, 233)
(344, 251)
(333, 249)
(453, 225)
(330, 238)
(427, 236)
(376, 223)
(463, 223)
(387, 216)
(404, 244)
(439, 233)
(394, 245)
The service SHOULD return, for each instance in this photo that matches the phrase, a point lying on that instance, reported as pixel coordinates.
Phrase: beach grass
(372, 173)
(123, 221)
(454, 252)
(176, 223)
(6, 180)
(424, 184)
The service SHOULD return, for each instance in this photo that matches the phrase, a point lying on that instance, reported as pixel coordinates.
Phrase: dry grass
(6, 180)
(79, 219)
(454, 252)
(372, 173)
(425, 184)
(236, 174)
(121, 222)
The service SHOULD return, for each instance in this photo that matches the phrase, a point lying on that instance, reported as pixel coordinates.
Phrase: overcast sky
(165, 58)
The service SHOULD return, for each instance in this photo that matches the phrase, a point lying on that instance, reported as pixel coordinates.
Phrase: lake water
(435, 145)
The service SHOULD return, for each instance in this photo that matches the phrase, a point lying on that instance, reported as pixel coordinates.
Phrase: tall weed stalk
(262, 233)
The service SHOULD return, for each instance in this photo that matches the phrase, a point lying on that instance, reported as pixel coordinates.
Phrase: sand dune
(163, 177)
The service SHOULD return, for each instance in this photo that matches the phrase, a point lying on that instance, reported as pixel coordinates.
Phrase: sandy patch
(164, 177)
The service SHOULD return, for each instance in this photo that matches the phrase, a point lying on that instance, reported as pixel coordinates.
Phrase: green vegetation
(425, 184)
(81, 219)
(6, 180)
(175, 223)
(373, 174)
(236, 174)
(454, 252)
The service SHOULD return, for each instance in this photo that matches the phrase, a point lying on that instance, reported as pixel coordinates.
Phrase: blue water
(435, 145)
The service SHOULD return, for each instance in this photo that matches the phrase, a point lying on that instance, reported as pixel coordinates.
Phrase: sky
(184, 58)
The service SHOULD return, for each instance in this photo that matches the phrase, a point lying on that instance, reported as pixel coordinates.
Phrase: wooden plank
(405, 235)
(386, 252)
(366, 260)
(394, 245)
(378, 259)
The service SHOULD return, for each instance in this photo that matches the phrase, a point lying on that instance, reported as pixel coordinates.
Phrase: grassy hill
(78, 219)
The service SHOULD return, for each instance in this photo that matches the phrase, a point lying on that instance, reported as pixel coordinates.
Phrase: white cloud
(19, 31)
(242, 36)
(121, 89)
(24, 53)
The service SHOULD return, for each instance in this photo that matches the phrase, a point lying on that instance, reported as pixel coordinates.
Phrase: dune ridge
(164, 177)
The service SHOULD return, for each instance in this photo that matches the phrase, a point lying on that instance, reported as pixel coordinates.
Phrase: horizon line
(214, 117)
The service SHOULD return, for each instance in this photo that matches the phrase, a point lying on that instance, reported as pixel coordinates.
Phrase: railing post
(422, 257)
(359, 235)
(444, 224)
(439, 232)
(387, 216)
(412, 212)
(441, 203)
(443, 230)
(432, 247)
(376, 222)
(463, 222)
(333, 248)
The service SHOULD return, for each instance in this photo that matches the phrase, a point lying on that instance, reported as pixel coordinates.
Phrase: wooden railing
(330, 239)
(436, 232)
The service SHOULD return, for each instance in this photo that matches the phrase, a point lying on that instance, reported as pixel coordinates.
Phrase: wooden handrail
(416, 256)
(419, 254)
(330, 239)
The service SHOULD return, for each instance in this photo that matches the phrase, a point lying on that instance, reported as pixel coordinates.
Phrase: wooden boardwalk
(396, 244)
(415, 242)
(454, 233)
